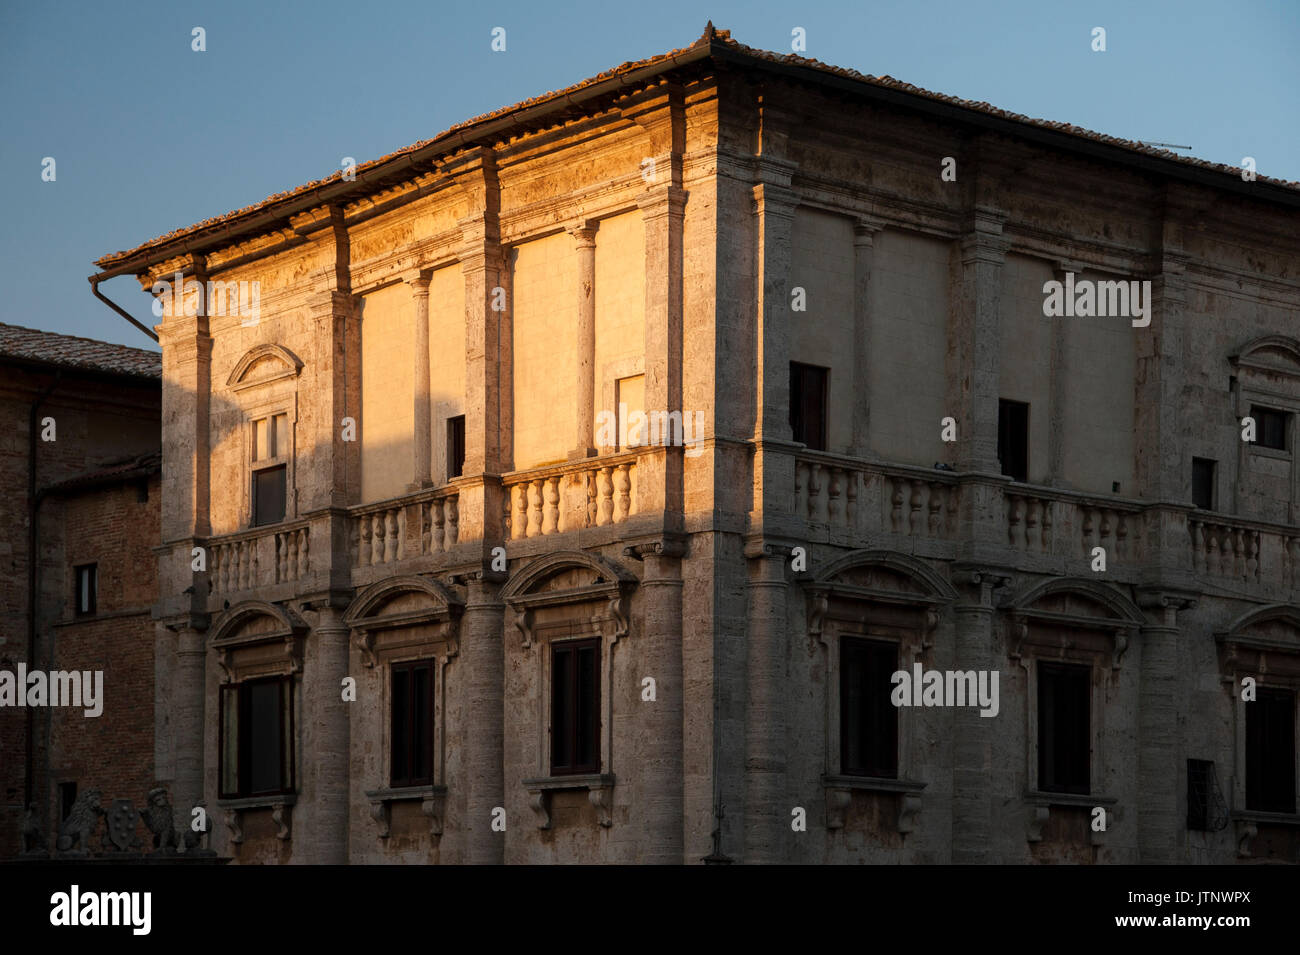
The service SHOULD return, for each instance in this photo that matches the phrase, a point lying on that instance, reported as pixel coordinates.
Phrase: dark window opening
(455, 446)
(575, 707)
(868, 717)
(67, 799)
(1270, 751)
(1206, 810)
(269, 495)
(255, 748)
(1064, 728)
(1270, 427)
(1013, 439)
(87, 594)
(808, 405)
(1203, 483)
(412, 724)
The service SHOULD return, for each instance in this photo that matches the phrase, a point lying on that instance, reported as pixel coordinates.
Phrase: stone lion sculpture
(81, 822)
(158, 819)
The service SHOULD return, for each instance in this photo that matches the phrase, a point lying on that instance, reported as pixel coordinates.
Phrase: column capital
(418, 279)
(865, 229)
(584, 231)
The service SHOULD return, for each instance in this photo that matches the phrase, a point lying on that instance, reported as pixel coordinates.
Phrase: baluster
(534, 508)
(935, 506)
(1015, 507)
(436, 522)
(452, 506)
(814, 490)
(914, 505)
(281, 556)
(304, 542)
(1121, 534)
(851, 502)
(377, 531)
(550, 506)
(1045, 528)
(622, 493)
(1252, 555)
(426, 525)
(896, 504)
(833, 492)
(1089, 520)
(1033, 514)
(604, 497)
(1238, 549)
(401, 532)
(1106, 527)
(519, 523)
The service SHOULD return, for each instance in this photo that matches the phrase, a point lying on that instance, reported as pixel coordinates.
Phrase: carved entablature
(880, 589)
(1265, 643)
(255, 638)
(1271, 359)
(399, 615)
(262, 365)
(568, 590)
(1063, 618)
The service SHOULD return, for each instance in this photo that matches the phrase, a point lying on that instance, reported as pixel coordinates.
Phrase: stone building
(428, 597)
(79, 467)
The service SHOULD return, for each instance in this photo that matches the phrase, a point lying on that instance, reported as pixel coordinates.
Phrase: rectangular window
(629, 399)
(455, 446)
(1270, 427)
(1203, 483)
(1013, 439)
(1270, 751)
(868, 718)
(271, 437)
(575, 707)
(256, 738)
(412, 724)
(1064, 728)
(808, 404)
(87, 593)
(268, 495)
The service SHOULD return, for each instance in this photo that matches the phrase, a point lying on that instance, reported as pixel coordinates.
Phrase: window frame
(1005, 405)
(1284, 418)
(455, 447)
(396, 667)
(1248, 791)
(242, 692)
(846, 642)
(573, 645)
(282, 458)
(823, 439)
(92, 606)
(1075, 671)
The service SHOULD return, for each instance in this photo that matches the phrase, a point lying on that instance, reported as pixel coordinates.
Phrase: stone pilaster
(1159, 827)
(1060, 382)
(422, 426)
(189, 685)
(326, 738)
(864, 235)
(585, 243)
(775, 203)
(481, 663)
(972, 745)
(767, 814)
(974, 343)
(660, 758)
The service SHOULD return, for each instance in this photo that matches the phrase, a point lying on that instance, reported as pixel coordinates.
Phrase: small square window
(1270, 427)
(87, 594)
(1013, 439)
(455, 446)
(808, 404)
(1064, 728)
(1203, 483)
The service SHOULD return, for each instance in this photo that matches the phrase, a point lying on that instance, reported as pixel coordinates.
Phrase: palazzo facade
(418, 604)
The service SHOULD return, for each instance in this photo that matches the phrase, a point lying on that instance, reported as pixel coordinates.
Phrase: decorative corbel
(524, 621)
(541, 805)
(1019, 633)
(837, 806)
(618, 610)
(1122, 636)
(909, 812)
(1037, 818)
(282, 816)
(382, 813)
(291, 650)
(435, 807)
(235, 825)
(223, 661)
(1246, 831)
(819, 603)
(602, 797)
(364, 640)
(927, 634)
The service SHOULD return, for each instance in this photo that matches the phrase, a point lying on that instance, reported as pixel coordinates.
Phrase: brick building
(80, 466)
(453, 610)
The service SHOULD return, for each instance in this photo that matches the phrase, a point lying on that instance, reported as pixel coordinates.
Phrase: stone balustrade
(588, 493)
(414, 526)
(259, 558)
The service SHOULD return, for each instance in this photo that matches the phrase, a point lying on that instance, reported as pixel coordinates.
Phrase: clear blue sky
(149, 136)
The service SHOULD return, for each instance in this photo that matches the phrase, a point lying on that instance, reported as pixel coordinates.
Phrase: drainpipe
(94, 288)
(33, 558)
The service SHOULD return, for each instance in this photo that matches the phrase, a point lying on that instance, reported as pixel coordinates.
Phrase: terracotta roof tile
(125, 469)
(71, 351)
(715, 39)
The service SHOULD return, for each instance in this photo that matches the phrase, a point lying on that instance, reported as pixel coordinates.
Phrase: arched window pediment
(239, 631)
(569, 578)
(399, 602)
(264, 364)
(1073, 604)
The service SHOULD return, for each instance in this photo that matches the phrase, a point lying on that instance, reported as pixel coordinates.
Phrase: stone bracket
(281, 814)
(600, 791)
(839, 796)
(433, 803)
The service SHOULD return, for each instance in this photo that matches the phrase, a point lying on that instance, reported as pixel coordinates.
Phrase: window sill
(281, 813)
(839, 795)
(433, 803)
(1246, 823)
(600, 791)
(1040, 810)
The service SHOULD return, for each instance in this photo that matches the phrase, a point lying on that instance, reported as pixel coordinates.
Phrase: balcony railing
(260, 557)
(587, 493)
